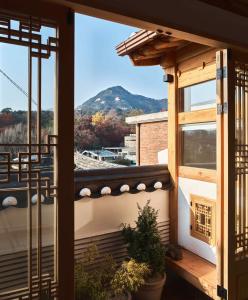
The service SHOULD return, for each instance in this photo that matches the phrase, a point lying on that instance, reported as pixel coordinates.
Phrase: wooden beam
(197, 174)
(198, 116)
(201, 74)
(160, 44)
(189, 20)
(145, 61)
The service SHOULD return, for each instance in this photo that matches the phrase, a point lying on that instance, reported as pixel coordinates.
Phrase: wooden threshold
(197, 271)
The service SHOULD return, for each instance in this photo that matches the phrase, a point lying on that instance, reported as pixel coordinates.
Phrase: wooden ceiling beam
(140, 55)
(192, 20)
(145, 61)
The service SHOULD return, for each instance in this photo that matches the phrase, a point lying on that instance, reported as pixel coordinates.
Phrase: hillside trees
(99, 131)
(90, 132)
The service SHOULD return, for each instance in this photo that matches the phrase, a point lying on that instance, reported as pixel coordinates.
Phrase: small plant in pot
(105, 280)
(145, 246)
(130, 276)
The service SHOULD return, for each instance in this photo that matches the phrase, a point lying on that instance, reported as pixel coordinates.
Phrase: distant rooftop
(148, 118)
(86, 163)
(101, 153)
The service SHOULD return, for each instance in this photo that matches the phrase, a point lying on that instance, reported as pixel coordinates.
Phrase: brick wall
(153, 138)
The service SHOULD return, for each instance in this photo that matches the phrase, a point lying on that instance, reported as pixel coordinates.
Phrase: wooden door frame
(64, 20)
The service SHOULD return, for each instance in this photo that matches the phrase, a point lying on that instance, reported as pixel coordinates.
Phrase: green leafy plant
(93, 282)
(144, 242)
(101, 281)
(129, 277)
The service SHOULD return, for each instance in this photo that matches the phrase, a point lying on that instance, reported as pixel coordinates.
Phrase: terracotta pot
(151, 290)
(124, 297)
(127, 296)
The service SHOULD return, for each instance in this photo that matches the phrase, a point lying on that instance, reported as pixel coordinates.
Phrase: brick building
(151, 137)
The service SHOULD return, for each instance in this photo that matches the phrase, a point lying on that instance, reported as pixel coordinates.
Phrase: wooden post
(65, 163)
(172, 152)
(220, 172)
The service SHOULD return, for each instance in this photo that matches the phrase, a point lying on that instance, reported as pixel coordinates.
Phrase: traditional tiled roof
(86, 163)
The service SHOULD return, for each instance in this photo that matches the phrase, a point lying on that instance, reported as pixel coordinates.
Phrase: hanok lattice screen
(28, 142)
(203, 219)
(241, 160)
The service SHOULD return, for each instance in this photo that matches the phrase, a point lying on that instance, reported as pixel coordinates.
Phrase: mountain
(122, 101)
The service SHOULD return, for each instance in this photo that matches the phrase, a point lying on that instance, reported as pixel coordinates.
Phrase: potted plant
(145, 246)
(106, 281)
(130, 276)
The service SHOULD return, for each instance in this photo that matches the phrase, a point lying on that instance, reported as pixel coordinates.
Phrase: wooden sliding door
(36, 151)
(232, 166)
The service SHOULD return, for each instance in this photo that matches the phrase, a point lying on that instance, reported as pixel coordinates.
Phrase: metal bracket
(168, 78)
(222, 108)
(221, 73)
(221, 292)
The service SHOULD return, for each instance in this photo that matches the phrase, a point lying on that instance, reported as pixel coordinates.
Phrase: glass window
(198, 145)
(199, 96)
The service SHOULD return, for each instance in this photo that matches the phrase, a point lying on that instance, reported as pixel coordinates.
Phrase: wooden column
(65, 162)
(172, 152)
(220, 173)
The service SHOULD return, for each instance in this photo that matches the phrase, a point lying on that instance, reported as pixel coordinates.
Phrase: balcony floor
(200, 274)
(177, 288)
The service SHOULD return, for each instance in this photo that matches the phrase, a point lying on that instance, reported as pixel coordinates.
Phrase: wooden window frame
(197, 116)
(197, 173)
(195, 76)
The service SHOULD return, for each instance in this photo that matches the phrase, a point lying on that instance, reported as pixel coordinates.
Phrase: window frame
(189, 78)
(192, 170)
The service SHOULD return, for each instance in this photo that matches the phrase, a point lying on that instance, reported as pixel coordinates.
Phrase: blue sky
(97, 67)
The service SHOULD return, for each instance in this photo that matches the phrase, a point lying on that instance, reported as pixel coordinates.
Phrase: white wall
(103, 215)
(185, 188)
(92, 217)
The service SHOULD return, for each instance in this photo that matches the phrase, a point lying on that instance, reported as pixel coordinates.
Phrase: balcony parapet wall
(95, 184)
(101, 182)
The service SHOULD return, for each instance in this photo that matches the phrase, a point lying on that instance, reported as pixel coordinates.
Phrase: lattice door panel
(28, 152)
(241, 160)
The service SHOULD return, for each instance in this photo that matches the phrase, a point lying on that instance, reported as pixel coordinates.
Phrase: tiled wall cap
(85, 192)
(9, 201)
(124, 188)
(158, 185)
(106, 190)
(141, 187)
(34, 199)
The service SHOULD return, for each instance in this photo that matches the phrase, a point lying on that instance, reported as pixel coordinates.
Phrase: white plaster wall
(105, 214)
(185, 188)
(92, 217)
(13, 228)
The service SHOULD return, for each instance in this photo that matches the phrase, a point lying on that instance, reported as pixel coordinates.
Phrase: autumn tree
(98, 118)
